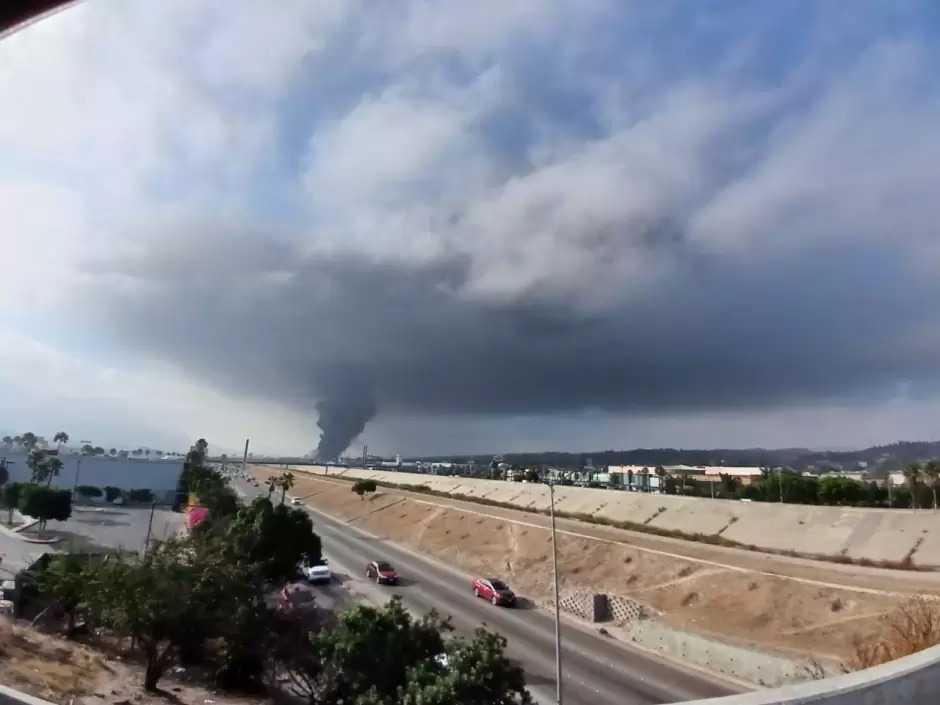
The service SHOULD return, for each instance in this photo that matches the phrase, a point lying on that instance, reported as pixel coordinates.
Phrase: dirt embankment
(737, 603)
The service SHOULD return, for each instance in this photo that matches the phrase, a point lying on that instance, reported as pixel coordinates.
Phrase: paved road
(597, 670)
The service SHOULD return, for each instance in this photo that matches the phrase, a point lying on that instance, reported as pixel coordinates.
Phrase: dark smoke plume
(340, 421)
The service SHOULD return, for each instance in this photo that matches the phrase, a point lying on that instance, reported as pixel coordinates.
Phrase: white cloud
(423, 131)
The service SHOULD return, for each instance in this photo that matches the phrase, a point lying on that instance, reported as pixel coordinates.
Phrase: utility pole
(245, 457)
(153, 506)
(780, 482)
(78, 469)
(558, 691)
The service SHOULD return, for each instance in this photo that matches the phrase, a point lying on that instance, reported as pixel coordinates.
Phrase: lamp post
(78, 469)
(551, 504)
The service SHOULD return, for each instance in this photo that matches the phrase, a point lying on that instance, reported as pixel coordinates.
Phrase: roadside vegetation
(912, 627)
(207, 601)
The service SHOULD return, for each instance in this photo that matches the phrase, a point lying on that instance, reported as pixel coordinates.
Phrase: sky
(451, 227)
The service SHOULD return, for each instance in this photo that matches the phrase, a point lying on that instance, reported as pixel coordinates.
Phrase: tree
(172, 598)
(363, 486)
(275, 538)
(4, 472)
(111, 493)
(840, 490)
(60, 438)
(36, 461)
(66, 578)
(97, 450)
(122, 453)
(912, 474)
(88, 491)
(932, 475)
(11, 498)
(384, 656)
(88, 449)
(140, 496)
(113, 451)
(28, 440)
(52, 467)
(272, 484)
(285, 482)
(7, 442)
(45, 503)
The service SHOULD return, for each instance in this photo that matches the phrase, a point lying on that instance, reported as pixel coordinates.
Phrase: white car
(295, 500)
(317, 572)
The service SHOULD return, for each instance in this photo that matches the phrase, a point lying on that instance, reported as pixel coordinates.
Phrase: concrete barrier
(876, 535)
(913, 680)
(8, 696)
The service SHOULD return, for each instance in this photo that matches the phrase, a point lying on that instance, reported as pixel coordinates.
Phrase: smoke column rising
(340, 421)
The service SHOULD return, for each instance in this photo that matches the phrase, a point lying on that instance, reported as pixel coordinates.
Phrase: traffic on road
(597, 670)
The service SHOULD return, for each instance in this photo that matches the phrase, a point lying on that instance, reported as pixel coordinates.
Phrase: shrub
(88, 491)
(141, 496)
(912, 627)
(112, 493)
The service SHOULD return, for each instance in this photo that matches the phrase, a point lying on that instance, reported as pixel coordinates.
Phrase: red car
(382, 572)
(296, 597)
(496, 591)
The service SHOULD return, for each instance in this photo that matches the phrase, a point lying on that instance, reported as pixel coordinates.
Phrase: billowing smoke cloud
(468, 242)
(343, 414)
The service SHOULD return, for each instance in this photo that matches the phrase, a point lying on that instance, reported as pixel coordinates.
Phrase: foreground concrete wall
(913, 680)
(8, 696)
(871, 534)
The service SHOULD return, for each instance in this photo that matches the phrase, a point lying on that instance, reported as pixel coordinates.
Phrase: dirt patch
(70, 673)
(739, 604)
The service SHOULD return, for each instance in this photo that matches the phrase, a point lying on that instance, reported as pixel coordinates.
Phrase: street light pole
(558, 693)
(78, 469)
(153, 505)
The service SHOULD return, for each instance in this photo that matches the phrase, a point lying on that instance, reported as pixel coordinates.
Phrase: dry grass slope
(739, 604)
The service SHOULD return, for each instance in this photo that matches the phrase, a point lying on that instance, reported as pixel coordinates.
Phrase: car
(296, 597)
(496, 591)
(317, 571)
(382, 573)
(295, 500)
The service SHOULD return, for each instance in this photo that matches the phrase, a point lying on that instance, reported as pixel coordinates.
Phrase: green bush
(112, 493)
(88, 491)
(141, 496)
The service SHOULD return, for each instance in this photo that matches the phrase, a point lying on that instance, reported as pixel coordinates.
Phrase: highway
(596, 670)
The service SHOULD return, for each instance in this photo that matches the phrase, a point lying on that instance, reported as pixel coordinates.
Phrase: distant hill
(892, 456)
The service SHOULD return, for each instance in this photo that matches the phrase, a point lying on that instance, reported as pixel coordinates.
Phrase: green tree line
(919, 490)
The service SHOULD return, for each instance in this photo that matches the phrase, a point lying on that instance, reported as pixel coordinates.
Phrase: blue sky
(561, 224)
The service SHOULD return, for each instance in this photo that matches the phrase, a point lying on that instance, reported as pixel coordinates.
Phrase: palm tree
(28, 440)
(286, 482)
(273, 483)
(932, 473)
(59, 438)
(913, 473)
(113, 451)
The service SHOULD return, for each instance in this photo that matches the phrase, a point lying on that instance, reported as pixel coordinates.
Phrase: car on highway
(316, 571)
(496, 591)
(295, 500)
(296, 597)
(382, 573)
